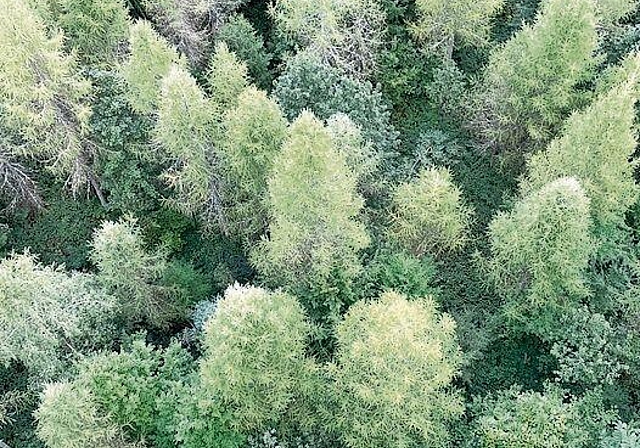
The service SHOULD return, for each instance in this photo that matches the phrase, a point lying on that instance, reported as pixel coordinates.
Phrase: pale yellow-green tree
(392, 375)
(96, 29)
(133, 274)
(596, 147)
(443, 24)
(254, 357)
(359, 153)
(227, 77)
(529, 85)
(429, 214)
(149, 62)
(254, 131)
(186, 131)
(345, 34)
(68, 417)
(314, 229)
(42, 310)
(541, 250)
(44, 98)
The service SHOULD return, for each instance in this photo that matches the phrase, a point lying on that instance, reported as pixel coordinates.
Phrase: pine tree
(529, 85)
(541, 250)
(429, 214)
(253, 134)
(394, 366)
(42, 310)
(443, 23)
(344, 34)
(150, 60)
(68, 417)
(255, 354)
(314, 231)
(227, 77)
(133, 274)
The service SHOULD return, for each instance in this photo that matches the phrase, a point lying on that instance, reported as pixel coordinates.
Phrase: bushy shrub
(398, 271)
(515, 419)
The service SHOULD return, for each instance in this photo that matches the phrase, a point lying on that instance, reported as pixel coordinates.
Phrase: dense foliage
(319, 224)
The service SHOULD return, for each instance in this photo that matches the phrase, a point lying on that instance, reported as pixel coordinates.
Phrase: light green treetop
(150, 60)
(394, 366)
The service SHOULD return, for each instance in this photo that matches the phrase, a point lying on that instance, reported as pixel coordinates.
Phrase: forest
(319, 224)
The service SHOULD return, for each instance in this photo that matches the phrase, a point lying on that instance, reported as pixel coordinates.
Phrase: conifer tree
(541, 251)
(529, 85)
(42, 309)
(186, 130)
(150, 60)
(133, 274)
(344, 34)
(309, 84)
(429, 214)
(394, 366)
(255, 354)
(361, 156)
(253, 134)
(595, 147)
(443, 23)
(227, 77)
(314, 206)
(43, 96)
(95, 28)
